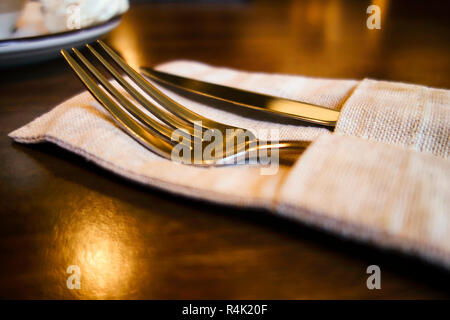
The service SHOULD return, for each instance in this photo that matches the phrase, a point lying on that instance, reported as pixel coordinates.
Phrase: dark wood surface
(136, 242)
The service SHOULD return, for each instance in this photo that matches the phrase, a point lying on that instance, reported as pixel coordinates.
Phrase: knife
(288, 108)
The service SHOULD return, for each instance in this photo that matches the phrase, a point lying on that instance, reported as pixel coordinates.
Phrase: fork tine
(131, 126)
(164, 100)
(163, 130)
(165, 116)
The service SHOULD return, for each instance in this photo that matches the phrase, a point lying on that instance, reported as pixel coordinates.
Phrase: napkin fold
(382, 177)
(411, 116)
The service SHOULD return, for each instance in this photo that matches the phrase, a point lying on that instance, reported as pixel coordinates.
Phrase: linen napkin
(382, 177)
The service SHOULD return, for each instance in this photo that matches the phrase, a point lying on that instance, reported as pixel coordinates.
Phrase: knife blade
(288, 108)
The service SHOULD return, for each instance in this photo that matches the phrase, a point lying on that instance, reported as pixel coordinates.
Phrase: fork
(158, 135)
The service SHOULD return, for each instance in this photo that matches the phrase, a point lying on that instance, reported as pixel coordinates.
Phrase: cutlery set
(160, 127)
(242, 98)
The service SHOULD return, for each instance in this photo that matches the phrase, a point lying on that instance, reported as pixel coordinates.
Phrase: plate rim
(8, 42)
(57, 41)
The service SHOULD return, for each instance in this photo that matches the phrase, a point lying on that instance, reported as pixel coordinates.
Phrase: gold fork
(175, 122)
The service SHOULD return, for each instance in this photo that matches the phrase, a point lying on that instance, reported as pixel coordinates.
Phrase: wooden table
(137, 242)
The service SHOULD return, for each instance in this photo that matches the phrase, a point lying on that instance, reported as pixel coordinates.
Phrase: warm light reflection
(104, 244)
(125, 40)
(107, 263)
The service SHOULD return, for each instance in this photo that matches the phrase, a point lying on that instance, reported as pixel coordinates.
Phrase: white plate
(18, 51)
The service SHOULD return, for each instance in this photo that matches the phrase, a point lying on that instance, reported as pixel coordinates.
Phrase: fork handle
(289, 150)
(294, 146)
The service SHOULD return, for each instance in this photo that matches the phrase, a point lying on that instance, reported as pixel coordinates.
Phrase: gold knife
(289, 108)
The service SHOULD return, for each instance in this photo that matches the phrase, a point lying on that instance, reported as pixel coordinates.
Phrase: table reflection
(104, 244)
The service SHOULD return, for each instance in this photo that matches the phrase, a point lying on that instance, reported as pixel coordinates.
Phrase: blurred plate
(19, 51)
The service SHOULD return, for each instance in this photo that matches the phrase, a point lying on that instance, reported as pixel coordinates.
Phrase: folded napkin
(383, 175)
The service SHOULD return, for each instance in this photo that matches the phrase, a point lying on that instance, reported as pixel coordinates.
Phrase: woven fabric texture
(394, 192)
